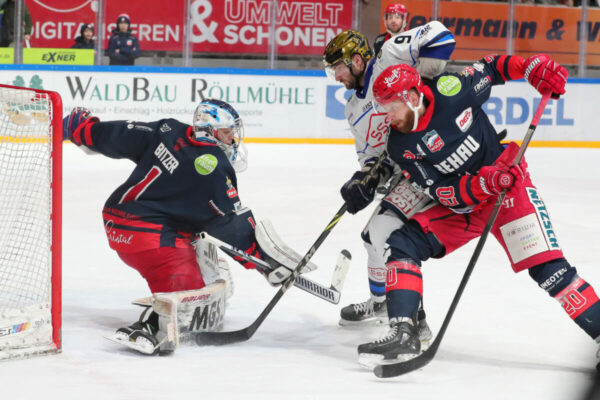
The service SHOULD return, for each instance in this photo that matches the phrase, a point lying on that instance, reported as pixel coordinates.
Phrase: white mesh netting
(25, 218)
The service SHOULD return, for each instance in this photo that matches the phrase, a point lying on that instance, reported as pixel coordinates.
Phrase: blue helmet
(218, 122)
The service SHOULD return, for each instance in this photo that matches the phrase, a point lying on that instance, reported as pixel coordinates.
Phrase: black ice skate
(368, 312)
(400, 343)
(139, 336)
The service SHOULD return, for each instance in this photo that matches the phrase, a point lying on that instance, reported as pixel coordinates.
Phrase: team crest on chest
(433, 141)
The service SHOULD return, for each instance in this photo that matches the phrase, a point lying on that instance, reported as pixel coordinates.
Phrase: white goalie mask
(215, 121)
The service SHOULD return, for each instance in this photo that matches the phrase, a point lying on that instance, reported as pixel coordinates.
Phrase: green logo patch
(449, 85)
(206, 164)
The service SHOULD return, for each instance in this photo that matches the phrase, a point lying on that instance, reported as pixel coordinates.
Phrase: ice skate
(400, 343)
(139, 336)
(368, 312)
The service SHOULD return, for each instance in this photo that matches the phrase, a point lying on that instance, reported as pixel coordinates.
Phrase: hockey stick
(403, 367)
(220, 338)
(330, 294)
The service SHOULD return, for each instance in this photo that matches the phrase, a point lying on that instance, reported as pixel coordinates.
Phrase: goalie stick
(330, 294)
(403, 367)
(220, 338)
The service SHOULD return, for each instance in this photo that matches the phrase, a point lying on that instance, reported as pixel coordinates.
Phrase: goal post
(30, 221)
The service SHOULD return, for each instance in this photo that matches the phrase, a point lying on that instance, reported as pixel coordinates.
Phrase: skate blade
(365, 322)
(370, 361)
(142, 346)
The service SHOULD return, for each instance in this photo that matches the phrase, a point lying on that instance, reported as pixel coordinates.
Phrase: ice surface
(508, 339)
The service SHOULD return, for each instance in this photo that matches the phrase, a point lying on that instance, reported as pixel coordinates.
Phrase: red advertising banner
(224, 26)
(481, 28)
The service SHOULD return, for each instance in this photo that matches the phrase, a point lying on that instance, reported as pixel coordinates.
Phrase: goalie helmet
(345, 45)
(217, 122)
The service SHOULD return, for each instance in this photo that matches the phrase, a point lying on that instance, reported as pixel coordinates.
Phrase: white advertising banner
(286, 104)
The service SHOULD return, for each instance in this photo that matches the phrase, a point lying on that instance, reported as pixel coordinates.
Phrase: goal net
(30, 221)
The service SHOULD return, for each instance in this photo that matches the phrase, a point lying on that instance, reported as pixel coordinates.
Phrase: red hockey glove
(545, 75)
(493, 180)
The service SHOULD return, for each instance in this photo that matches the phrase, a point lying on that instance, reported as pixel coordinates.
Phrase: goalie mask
(217, 122)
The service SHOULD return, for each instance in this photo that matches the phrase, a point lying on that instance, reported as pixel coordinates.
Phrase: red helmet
(395, 82)
(396, 8)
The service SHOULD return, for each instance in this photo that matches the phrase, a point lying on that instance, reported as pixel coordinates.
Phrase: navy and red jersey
(454, 137)
(379, 41)
(179, 187)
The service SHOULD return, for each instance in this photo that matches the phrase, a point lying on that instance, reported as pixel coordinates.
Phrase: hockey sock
(403, 288)
(576, 296)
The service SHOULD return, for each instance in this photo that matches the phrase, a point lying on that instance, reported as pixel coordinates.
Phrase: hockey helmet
(217, 122)
(341, 48)
(397, 9)
(395, 83)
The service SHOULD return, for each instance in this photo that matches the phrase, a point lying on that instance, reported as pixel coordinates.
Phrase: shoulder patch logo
(206, 164)
(449, 85)
(433, 141)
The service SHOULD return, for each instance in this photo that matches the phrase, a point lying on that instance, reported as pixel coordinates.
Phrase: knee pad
(380, 228)
(553, 276)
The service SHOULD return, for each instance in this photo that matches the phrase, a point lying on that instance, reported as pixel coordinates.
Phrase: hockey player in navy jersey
(446, 144)
(350, 61)
(184, 183)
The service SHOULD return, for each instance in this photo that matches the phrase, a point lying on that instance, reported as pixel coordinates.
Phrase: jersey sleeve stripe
(440, 52)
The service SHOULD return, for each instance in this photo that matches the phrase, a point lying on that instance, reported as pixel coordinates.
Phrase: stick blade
(222, 338)
(403, 367)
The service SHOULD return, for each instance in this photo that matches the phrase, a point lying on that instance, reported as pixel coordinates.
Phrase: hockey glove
(502, 175)
(358, 194)
(545, 75)
(79, 116)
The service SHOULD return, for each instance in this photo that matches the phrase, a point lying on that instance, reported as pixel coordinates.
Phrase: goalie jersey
(427, 48)
(179, 187)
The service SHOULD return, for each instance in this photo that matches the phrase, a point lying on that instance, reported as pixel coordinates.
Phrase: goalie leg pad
(181, 314)
(212, 266)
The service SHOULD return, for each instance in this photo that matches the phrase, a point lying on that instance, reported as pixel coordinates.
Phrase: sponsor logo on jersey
(409, 155)
(231, 192)
(449, 85)
(433, 141)
(482, 84)
(544, 218)
(479, 66)
(468, 71)
(205, 164)
(425, 30)
(164, 128)
(465, 119)
(167, 159)
(490, 58)
(459, 156)
(378, 130)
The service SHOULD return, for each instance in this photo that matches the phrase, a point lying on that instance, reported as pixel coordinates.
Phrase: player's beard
(406, 125)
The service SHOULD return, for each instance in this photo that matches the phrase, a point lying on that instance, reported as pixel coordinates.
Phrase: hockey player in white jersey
(349, 60)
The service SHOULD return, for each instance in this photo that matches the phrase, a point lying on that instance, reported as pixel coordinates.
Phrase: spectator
(7, 32)
(85, 40)
(123, 47)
